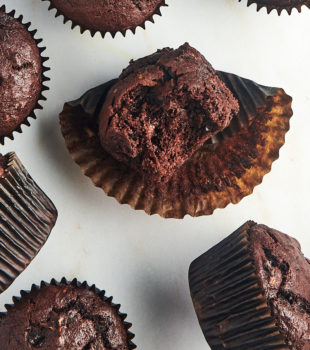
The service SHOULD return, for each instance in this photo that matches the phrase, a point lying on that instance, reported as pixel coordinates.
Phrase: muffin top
(284, 274)
(162, 109)
(63, 317)
(20, 73)
(108, 15)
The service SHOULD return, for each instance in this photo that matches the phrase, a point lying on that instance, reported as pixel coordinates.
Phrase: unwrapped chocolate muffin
(108, 16)
(64, 316)
(162, 109)
(251, 291)
(172, 136)
(21, 74)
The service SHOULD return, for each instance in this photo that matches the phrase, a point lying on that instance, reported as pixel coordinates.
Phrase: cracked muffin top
(20, 73)
(284, 275)
(162, 109)
(108, 15)
(63, 317)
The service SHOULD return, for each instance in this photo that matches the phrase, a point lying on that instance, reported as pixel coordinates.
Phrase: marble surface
(143, 261)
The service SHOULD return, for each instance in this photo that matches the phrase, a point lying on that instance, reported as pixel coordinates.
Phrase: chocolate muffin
(251, 291)
(20, 73)
(284, 275)
(27, 217)
(280, 5)
(162, 109)
(64, 316)
(108, 15)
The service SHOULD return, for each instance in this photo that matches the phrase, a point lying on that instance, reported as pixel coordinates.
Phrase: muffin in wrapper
(279, 5)
(223, 171)
(26, 220)
(44, 79)
(37, 339)
(228, 298)
(103, 32)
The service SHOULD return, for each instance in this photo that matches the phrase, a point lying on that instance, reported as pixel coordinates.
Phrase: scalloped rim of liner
(85, 154)
(278, 8)
(236, 246)
(75, 283)
(102, 32)
(44, 78)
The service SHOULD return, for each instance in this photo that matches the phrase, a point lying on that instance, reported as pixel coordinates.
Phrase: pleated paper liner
(27, 217)
(44, 78)
(223, 171)
(104, 32)
(76, 284)
(227, 297)
(279, 5)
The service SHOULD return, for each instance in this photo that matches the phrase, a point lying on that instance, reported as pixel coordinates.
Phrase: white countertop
(143, 261)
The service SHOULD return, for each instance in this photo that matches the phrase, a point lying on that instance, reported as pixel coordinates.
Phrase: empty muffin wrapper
(75, 283)
(222, 171)
(279, 5)
(229, 302)
(44, 78)
(27, 217)
(102, 32)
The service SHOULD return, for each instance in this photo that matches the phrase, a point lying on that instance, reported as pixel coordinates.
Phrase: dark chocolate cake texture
(162, 109)
(27, 217)
(107, 16)
(21, 73)
(170, 139)
(65, 315)
(251, 291)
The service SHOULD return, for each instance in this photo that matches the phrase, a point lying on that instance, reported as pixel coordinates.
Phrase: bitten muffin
(20, 73)
(251, 291)
(162, 109)
(108, 15)
(63, 316)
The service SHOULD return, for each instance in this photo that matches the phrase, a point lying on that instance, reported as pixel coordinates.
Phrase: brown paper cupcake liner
(75, 283)
(231, 308)
(44, 78)
(103, 33)
(223, 171)
(279, 5)
(27, 217)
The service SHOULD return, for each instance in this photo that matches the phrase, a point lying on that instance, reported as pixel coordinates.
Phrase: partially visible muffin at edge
(284, 275)
(251, 291)
(162, 109)
(108, 16)
(63, 317)
(20, 74)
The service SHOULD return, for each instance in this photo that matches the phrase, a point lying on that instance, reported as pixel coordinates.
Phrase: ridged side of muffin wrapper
(279, 5)
(75, 283)
(228, 299)
(103, 33)
(223, 171)
(44, 78)
(27, 217)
